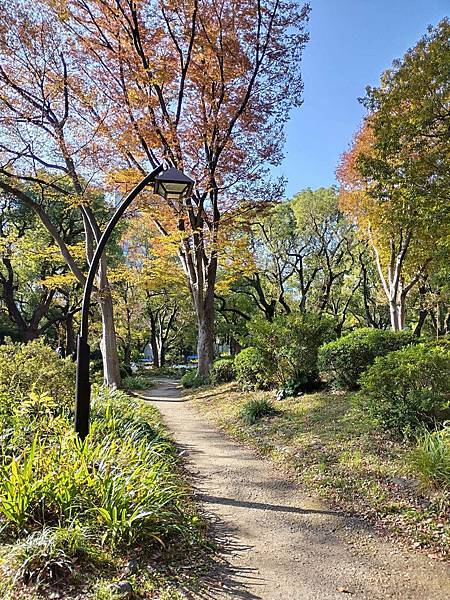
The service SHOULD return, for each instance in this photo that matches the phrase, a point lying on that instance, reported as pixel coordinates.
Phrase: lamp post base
(83, 390)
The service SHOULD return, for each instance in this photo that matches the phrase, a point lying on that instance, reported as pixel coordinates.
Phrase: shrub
(34, 366)
(192, 380)
(431, 458)
(252, 368)
(255, 409)
(290, 345)
(408, 387)
(50, 554)
(125, 371)
(345, 360)
(222, 371)
(136, 382)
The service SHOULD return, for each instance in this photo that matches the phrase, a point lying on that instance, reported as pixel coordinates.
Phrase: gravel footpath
(277, 542)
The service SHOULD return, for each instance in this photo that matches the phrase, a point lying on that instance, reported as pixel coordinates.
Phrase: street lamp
(171, 184)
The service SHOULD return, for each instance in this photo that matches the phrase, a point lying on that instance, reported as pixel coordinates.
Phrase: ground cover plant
(73, 512)
(327, 443)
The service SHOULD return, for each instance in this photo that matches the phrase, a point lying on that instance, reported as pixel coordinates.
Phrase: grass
(72, 515)
(255, 409)
(332, 449)
(431, 458)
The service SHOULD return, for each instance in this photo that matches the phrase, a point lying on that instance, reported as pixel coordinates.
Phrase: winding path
(278, 543)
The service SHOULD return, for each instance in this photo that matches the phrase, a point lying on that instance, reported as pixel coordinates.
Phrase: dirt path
(278, 542)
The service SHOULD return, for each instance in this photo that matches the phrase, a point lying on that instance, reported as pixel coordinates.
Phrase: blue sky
(352, 42)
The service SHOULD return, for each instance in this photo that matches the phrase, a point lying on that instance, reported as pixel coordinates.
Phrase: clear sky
(352, 42)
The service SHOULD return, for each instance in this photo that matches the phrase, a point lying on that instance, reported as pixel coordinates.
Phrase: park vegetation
(323, 318)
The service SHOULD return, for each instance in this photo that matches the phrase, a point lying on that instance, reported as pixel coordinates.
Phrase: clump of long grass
(255, 409)
(431, 457)
(137, 382)
(118, 489)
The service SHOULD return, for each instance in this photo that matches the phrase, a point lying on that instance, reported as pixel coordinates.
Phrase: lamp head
(173, 184)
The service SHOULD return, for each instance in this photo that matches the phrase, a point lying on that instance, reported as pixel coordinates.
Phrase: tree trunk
(393, 311)
(70, 336)
(108, 345)
(205, 341)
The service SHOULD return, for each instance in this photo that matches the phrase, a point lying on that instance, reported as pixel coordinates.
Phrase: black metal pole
(83, 384)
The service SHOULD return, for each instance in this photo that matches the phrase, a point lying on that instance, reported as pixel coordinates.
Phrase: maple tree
(395, 176)
(205, 85)
(47, 147)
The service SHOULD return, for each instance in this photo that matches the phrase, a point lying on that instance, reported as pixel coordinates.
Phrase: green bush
(255, 409)
(431, 457)
(408, 387)
(125, 371)
(34, 366)
(222, 371)
(290, 345)
(137, 382)
(191, 380)
(252, 368)
(345, 359)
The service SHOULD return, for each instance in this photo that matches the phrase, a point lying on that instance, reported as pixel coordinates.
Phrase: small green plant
(192, 380)
(136, 382)
(222, 371)
(255, 409)
(407, 388)
(50, 554)
(431, 457)
(344, 360)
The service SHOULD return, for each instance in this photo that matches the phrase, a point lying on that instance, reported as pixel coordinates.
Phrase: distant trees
(395, 178)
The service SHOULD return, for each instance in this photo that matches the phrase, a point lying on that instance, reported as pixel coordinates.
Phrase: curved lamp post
(171, 184)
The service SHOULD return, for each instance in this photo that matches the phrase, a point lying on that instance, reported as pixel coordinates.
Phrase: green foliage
(192, 380)
(408, 387)
(137, 382)
(431, 458)
(50, 554)
(345, 359)
(62, 500)
(255, 409)
(34, 366)
(125, 371)
(252, 368)
(222, 371)
(290, 343)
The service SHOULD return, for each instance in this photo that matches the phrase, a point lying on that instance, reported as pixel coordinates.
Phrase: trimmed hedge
(347, 358)
(407, 388)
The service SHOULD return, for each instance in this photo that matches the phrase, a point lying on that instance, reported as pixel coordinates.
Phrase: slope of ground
(277, 542)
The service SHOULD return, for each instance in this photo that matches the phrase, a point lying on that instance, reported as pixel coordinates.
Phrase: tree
(35, 287)
(153, 287)
(43, 128)
(395, 178)
(206, 86)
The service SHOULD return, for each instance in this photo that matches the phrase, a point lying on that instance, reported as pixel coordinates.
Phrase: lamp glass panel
(170, 186)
